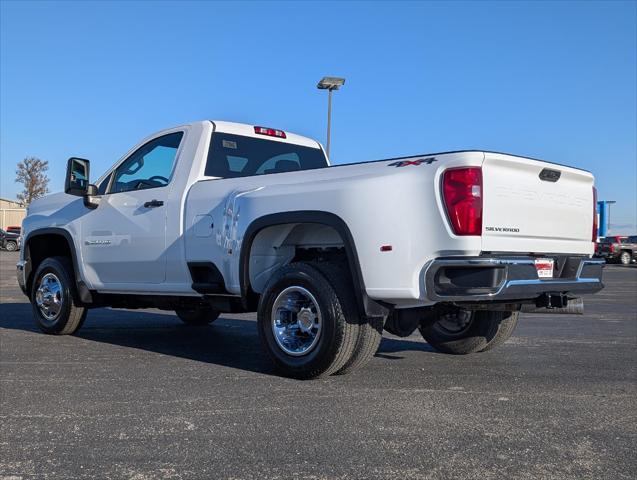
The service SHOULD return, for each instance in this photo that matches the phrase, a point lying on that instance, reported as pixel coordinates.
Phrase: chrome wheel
(455, 322)
(48, 296)
(296, 321)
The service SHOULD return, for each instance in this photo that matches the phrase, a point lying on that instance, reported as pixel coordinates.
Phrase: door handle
(153, 204)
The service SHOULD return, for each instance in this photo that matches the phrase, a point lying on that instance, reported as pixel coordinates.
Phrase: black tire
(11, 246)
(625, 258)
(505, 327)
(369, 330)
(70, 315)
(485, 331)
(198, 316)
(336, 341)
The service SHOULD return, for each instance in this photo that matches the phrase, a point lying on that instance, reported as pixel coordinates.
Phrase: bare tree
(31, 172)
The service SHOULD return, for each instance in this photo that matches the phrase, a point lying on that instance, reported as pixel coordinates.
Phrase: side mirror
(77, 176)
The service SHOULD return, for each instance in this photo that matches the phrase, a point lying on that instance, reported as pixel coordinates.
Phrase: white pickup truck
(215, 217)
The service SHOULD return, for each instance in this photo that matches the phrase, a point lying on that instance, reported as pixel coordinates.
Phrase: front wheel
(462, 331)
(53, 298)
(306, 325)
(11, 246)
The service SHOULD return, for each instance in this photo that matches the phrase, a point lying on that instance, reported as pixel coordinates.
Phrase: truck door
(124, 238)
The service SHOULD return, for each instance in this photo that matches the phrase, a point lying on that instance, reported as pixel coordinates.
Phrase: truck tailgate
(527, 208)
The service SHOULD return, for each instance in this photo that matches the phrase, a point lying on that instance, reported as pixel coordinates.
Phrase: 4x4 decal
(420, 161)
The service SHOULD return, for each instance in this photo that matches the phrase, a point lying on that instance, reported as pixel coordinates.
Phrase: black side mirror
(77, 177)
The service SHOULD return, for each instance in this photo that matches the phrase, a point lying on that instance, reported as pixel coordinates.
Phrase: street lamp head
(330, 83)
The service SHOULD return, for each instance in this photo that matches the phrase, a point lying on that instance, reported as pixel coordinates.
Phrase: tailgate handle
(549, 175)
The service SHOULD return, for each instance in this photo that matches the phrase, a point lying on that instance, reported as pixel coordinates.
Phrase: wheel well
(279, 245)
(312, 235)
(40, 247)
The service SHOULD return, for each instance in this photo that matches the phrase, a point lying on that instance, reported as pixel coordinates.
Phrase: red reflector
(594, 214)
(271, 132)
(386, 248)
(462, 193)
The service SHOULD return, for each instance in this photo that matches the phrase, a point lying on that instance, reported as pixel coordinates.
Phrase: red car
(14, 229)
(618, 249)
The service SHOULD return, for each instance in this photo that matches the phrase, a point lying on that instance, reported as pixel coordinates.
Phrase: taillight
(462, 193)
(594, 214)
(270, 132)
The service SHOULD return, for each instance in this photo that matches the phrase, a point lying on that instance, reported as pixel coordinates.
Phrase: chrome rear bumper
(476, 279)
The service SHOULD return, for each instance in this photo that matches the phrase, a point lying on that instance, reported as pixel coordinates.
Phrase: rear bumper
(514, 279)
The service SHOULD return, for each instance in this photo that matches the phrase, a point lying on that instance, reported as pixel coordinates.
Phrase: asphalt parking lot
(139, 395)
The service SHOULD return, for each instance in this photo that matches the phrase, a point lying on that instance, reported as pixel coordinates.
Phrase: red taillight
(594, 214)
(462, 193)
(271, 132)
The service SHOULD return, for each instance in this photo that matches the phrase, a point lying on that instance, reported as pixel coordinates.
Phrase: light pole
(329, 84)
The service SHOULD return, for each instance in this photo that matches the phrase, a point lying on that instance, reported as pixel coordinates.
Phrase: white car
(215, 217)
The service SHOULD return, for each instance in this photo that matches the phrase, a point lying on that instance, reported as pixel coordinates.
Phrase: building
(11, 213)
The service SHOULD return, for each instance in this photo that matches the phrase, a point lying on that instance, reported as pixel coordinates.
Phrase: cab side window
(148, 167)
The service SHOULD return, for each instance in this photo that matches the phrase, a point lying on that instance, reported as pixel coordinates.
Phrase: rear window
(232, 156)
(632, 239)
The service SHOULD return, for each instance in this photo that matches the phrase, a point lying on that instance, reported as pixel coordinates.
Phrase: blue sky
(552, 80)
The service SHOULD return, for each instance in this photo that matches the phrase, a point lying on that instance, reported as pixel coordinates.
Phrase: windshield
(232, 156)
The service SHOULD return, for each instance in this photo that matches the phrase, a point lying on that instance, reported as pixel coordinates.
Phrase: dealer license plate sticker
(544, 267)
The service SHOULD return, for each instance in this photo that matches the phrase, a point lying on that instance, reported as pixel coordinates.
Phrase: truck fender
(82, 289)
